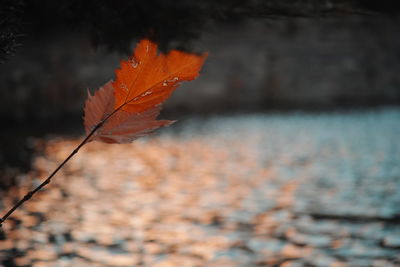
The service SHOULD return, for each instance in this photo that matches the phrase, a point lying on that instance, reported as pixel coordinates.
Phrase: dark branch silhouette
(172, 24)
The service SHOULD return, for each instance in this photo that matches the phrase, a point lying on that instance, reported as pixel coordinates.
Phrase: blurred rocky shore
(246, 190)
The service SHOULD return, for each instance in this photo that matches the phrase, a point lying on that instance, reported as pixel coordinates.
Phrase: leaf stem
(30, 194)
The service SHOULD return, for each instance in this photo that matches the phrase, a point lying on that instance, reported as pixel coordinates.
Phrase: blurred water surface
(294, 189)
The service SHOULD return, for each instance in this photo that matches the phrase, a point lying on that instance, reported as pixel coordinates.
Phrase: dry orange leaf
(148, 77)
(122, 111)
(122, 127)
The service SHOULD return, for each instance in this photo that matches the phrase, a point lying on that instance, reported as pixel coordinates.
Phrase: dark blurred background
(264, 55)
(286, 152)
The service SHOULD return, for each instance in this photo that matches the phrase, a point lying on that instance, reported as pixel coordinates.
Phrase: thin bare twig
(30, 194)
